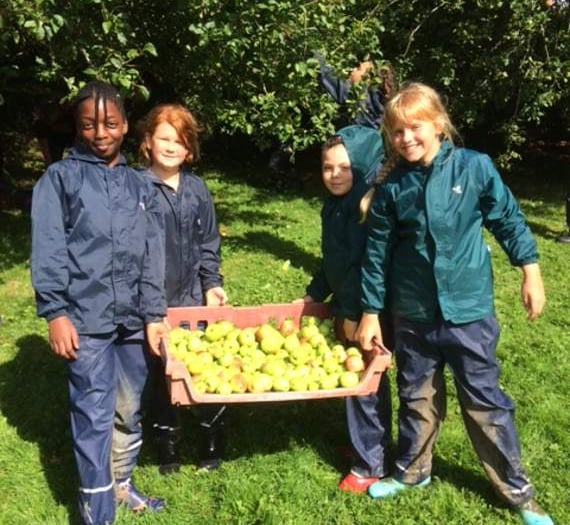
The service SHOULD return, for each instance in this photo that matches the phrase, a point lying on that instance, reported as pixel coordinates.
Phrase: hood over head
(365, 150)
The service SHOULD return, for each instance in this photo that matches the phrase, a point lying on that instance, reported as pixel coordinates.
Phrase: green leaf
(150, 49)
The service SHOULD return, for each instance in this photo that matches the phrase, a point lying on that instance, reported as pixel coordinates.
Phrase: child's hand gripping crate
(184, 391)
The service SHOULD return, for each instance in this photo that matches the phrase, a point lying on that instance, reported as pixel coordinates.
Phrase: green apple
(308, 331)
(349, 379)
(177, 335)
(213, 332)
(226, 359)
(194, 364)
(281, 384)
(200, 386)
(299, 383)
(274, 367)
(307, 320)
(326, 326)
(238, 383)
(352, 350)
(272, 342)
(247, 336)
(261, 383)
(339, 353)
(231, 345)
(288, 327)
(264, 330)
(317, 340)
(291, 342)
(329, 381)
(233, 334)
(225, 389)
(195, 343)
(331, 365)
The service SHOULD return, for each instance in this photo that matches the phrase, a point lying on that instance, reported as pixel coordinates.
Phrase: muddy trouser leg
(92, 395)
(369, 426)
(487, 411)
(422, 395)
(132, 364)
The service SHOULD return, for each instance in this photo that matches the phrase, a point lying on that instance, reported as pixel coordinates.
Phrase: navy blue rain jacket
(371, 113)
(192, 239)
(97, 245)
(343, 239)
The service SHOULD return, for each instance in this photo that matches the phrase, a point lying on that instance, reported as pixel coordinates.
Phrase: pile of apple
(224, 359)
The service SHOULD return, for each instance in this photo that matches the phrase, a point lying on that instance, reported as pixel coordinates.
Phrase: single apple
(247, 336)
(354, 363)
(288, 327)
(349, 379)
(281, 384)
(329, 381)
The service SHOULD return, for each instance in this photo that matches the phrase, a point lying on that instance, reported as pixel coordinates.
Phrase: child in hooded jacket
(425, 241)
(98, 275)
(350, 161)
(374, 96)
(169, 145)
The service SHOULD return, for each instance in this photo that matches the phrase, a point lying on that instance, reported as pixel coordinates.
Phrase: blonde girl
(425, 245)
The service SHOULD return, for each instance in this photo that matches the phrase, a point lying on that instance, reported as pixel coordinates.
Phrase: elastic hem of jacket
(55, 315)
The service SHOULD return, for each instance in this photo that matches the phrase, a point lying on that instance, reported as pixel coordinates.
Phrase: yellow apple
(281, 384)
(349, 379)
(288, 327)
(247, 336)
(354, 363)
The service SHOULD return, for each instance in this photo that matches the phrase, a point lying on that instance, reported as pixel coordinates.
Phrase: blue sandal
(128, 495)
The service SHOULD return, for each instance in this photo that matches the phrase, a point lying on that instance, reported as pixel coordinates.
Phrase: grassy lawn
(283, 460)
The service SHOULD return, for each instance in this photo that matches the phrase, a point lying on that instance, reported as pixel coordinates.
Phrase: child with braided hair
(425, 245)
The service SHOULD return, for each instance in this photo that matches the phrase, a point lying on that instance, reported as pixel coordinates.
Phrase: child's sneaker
(532, 514)
(128, 495)
(354, 483)
(390, 487)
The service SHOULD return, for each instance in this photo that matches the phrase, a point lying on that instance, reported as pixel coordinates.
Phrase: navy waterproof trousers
(422, 350)
(106, 383)
(369, 420)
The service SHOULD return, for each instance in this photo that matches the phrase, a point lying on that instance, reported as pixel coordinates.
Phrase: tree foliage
(249, 67)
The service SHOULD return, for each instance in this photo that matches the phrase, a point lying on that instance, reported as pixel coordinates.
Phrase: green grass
(283, 462)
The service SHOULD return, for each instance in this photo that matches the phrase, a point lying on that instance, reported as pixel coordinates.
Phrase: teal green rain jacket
(426, 238)
(343, 237)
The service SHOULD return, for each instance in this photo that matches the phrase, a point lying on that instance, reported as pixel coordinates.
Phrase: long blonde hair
(413, 101)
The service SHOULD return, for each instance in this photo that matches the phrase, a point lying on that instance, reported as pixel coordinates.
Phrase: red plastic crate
(179, 380)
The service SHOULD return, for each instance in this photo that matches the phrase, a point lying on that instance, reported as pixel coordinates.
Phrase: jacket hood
(365, 150)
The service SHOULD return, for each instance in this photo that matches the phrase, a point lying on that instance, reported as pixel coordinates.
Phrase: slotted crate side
(243, 316)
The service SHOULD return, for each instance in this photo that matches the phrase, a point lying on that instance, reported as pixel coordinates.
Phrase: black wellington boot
(168, 460)
(211, 447)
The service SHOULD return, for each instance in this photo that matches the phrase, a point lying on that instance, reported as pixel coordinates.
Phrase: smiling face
(166, 149)
(417, 140)
(101, 128)
(336, 170)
